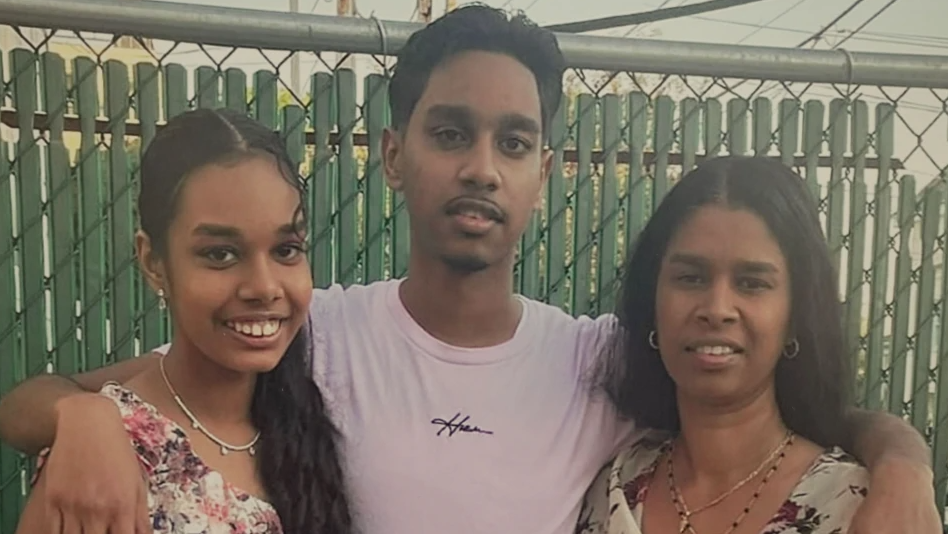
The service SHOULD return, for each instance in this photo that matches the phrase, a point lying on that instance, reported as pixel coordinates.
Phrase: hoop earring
(653, 339)
(162, 303)
(792, 349)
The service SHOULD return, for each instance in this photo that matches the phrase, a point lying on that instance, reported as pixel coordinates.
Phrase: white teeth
(472, 214)
(256, 328)
(717, 350)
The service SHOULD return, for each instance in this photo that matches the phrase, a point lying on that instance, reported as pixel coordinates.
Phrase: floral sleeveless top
(185, 496)
(823, 501)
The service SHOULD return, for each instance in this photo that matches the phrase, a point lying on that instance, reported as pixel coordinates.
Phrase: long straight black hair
(811, 388)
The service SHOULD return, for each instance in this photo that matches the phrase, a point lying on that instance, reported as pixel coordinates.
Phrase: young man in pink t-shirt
(463, 408)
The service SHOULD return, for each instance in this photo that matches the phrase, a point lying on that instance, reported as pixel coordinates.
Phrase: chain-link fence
(78, 108)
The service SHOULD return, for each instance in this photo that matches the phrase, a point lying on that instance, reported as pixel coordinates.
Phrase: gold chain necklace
(685, 514)
(225, 447)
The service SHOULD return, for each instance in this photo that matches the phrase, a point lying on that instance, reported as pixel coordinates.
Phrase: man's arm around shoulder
(29, 413)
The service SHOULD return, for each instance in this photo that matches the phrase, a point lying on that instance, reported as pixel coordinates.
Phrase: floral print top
(185, 496)
(823, 501)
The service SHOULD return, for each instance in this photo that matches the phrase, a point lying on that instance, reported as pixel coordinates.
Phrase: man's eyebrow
(451, 113)
(519, 122)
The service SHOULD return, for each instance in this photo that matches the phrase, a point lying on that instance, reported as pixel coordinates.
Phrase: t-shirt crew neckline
(434, 347)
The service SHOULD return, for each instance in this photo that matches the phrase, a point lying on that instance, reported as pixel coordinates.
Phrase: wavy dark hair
(811, 389)
(476, 27)
(297, 457)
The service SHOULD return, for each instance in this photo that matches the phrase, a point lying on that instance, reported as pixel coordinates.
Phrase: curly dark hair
(811, 388)
(298, 458)
(476, 27)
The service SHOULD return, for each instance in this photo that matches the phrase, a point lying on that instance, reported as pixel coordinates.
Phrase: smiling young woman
(229, 430)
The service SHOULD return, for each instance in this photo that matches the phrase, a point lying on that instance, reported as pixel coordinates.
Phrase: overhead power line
(618, 21)
(767, 24)
(822, 31)
(866, 23)
(920, 40)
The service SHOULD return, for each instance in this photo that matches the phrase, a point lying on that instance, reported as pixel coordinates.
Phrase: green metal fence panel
(376, 230)
(235, 90)
(10, 335)
(153, 328)
(763, 126)
(583, 207)
(836, 192)
(813, 120)
(176, 90)
(788, 131)
(122, 197)
(859, 213)
(690, 133)
(932, 200)
(609, 260)
(558, 198)
(663, 137)
(940, 433)
(903, 296)
(639, 205)
(28, 178)
(322, 200)
(60, 195)
(347, 182)
(881, 260)
(207, 92)
(737, 142)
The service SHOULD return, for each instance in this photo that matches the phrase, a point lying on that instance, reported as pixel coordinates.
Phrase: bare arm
(29, 413)
(877, 438)
(901, 494)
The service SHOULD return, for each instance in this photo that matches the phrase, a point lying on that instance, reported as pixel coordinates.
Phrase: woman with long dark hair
(732, 349)
(230, 430)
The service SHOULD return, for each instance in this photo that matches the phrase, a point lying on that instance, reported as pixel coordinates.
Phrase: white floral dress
(185, 496)
(823, 501)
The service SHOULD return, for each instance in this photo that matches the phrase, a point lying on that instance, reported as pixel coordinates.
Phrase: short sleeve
(595, 343)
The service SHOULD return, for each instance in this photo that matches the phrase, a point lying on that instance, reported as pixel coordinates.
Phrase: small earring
(791, 350)
(653, 339)
(162, 303)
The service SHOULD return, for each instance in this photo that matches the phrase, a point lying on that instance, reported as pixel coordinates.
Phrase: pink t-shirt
(442, 439)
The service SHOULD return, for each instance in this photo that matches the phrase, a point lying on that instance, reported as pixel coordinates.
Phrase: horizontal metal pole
(293, 31)
(71, 123)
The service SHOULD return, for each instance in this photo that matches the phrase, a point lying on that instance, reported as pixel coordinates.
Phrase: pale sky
(908, 26)
(920, 24)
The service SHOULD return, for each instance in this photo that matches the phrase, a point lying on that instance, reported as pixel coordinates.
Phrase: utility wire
(819, 34)
(771, 21)
(656, 15)
(837, 45)
(864, 24)
(920, 40)
(814, 38)
(637, 26)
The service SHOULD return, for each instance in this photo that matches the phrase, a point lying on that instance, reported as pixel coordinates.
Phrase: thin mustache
(458, 204)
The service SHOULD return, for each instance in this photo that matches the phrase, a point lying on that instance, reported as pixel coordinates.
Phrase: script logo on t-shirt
(456, 425)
